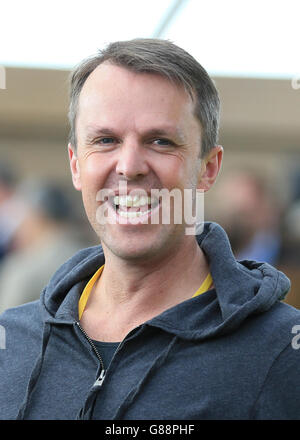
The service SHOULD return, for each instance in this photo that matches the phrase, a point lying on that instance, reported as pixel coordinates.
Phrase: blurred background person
(12, 209)
(250, 212)
(261, 225)
(43, 240)
(289, 260)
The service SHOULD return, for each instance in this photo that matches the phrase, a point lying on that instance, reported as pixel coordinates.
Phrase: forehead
(114, 87)
(108, 72)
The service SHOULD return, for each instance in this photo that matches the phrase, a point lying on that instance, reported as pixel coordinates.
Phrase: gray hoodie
(226, 354)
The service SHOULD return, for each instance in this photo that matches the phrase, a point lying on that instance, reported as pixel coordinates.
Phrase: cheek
(173, 171)
(93, 175)
(93, 172)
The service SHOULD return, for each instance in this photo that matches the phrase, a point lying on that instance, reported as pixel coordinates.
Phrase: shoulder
(271, 332)
(22, 323)
(21, 331)
(279, 396)
(282, 318)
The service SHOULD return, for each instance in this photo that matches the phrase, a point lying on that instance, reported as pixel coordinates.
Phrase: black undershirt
(106, 351)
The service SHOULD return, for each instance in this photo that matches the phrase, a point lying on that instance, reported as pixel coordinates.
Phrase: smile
(136, 206)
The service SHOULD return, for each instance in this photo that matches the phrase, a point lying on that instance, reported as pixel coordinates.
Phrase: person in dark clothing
(156, 322)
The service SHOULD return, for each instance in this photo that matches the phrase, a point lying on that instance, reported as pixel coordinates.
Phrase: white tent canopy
(229, 38)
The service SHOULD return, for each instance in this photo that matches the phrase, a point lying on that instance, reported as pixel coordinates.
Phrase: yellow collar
(87, 290)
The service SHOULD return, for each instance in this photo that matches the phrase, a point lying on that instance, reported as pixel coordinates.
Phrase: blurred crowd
(40, 228)
(261, 224)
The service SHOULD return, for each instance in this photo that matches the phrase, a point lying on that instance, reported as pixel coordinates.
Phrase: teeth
(133, 214)
(129, 201)
(141, 201)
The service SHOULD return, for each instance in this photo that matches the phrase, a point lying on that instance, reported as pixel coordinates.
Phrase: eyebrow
(93, 131)
(177, 133)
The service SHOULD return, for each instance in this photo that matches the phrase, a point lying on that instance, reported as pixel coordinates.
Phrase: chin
(128, 250)
(141, 247)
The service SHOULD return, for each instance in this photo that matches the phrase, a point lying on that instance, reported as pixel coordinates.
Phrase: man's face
(139, 129)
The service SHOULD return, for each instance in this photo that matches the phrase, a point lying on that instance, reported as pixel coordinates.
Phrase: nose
(132, 163)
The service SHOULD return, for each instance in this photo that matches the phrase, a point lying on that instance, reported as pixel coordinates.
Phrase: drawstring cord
(35, 373)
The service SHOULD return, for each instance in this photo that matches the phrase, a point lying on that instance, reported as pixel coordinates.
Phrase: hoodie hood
(241, 289)
(59, 356)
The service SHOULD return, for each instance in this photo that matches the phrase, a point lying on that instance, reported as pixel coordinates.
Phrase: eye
(105, 140)
(163, 142)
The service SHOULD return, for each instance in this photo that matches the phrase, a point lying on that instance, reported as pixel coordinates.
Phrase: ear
(74, 165)
(210, 168)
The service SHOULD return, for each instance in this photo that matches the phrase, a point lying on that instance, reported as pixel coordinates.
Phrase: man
(155, 323)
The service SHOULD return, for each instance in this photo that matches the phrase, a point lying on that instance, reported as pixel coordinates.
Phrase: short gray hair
(150, 55)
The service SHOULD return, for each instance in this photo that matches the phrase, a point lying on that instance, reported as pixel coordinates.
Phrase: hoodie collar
(241, 289)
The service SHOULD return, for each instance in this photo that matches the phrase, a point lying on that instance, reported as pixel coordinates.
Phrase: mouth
(134, 206)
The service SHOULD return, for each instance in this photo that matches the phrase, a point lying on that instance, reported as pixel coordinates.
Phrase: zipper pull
(100, 379)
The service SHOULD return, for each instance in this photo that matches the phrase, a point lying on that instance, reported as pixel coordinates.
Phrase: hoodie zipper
(101, 378)
(98, 383)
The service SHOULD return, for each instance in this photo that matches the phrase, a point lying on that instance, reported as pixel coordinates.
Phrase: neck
(160, 284)
(128, 294)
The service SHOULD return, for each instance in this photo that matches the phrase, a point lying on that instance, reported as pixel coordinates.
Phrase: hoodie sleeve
(279, 398)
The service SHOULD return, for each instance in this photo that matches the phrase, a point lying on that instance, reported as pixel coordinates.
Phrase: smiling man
(155, 323)
(141, 129)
